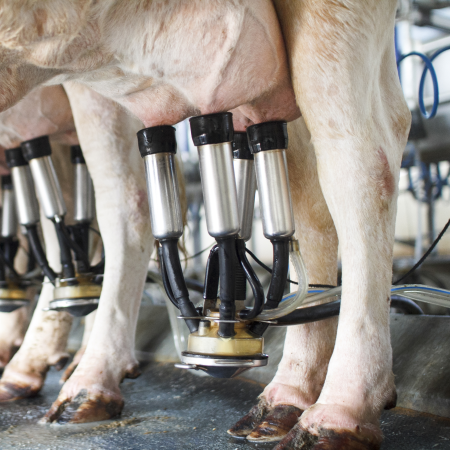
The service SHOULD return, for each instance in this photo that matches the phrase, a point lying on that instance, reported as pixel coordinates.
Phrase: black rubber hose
(64, 236)
(31, 264)
(327, 310)
(8, 252)
(11, 246)
(258, 328)
(176, 280)
(165, 279)
(194, 285)
(240, 288)
(310, 314)
(2, 272)
(68, 269)
(99, 268)
(36, 247)
(255, 284)
(80, 235)
(211, 286)
(406, 305)
(227, 267)
(277, 283)
(280, 270)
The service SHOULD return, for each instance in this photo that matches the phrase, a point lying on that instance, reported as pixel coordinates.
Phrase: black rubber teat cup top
(241, 149)
(160, 139)
(6, 182)
(36, 148)
(212, 128)
(267, 136)
(76, 155)
(15, 158)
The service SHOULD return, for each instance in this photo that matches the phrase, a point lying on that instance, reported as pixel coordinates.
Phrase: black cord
(426, 254)
(61, 226)
(95, 231)
(259, 262)
(189, 257)
(8, 264)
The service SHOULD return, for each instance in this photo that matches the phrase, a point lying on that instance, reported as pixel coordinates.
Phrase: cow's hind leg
(45, 341)
(308, 348)
(345, 78)
(107, 136)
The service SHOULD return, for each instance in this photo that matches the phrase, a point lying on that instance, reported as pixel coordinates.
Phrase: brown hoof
(245, 426)
(299, 439)
(11, 391)
(276, 424)
(331, 440)
(84, 408)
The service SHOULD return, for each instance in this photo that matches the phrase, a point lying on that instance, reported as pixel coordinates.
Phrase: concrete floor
(168, 408)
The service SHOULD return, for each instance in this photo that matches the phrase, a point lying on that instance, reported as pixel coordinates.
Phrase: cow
(46, 111)
(334, 61)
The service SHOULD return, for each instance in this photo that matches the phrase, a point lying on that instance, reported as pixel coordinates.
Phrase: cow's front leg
(308, 348)
(345, 77)
(107, 136)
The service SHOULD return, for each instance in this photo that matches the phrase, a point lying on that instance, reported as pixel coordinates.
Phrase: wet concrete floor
(168, 408)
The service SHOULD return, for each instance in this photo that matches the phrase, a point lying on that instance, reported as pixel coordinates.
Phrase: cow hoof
(300, 439)
(245, 426)
(16, 391)
(84, 407)
(276, 424)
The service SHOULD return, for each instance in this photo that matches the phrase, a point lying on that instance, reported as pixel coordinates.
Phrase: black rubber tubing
(79, 234)
(68, 268)
(227, 267)
(279, 273)
(165, 279)
(7, 255)
(406, 305)
(332, 309)
(39, 254)
(278, 281)
(240, 288)
(211, 286)
(172, 264)
(310, 314)
(63, 232)
(253, 281)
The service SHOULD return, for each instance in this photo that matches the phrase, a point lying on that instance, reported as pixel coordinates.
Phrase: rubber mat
(168, 408)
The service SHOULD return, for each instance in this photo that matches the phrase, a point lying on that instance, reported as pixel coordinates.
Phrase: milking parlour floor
(168, 408)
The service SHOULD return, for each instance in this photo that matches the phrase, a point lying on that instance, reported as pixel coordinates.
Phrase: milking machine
(12, 284)
(226, 337)
(77, 287)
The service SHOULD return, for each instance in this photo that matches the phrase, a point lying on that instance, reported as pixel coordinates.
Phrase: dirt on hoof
(84, 408)
(15, 391)
(245, 426)
(276, 424)
(300, 439)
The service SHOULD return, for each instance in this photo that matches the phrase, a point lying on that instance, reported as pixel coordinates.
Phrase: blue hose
(428, 67)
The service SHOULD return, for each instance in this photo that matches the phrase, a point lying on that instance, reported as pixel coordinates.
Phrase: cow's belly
(226, 55)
